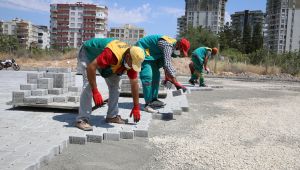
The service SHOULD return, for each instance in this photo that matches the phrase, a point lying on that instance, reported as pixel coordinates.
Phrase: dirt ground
(245, 125)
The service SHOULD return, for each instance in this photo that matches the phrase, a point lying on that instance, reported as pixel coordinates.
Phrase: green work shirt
(95, 46)
(150, 45)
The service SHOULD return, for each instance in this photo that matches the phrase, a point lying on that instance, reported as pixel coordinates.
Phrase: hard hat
(214, 51)
(137, 55)
(185, 46)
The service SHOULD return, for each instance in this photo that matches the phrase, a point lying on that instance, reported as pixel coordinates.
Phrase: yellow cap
(137, 55)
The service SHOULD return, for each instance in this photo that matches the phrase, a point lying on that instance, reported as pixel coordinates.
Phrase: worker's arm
(135, 95)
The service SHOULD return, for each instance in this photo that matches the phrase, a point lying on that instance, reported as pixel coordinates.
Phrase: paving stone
(63, 145)
(32, 81)
(163, 116)
(80, 139)
(216, 86)
(74, 89)
(55, 91)
(73, 98)
(34, 75)
(177, 92)
(45, 83)
(96, 136)
(18, 96)
(126, 133)
(44, 100)
(111, 135)
(30, 100)
(60, 99)
(183, 103)
(39, 92)
(28, 87)
(141, 131)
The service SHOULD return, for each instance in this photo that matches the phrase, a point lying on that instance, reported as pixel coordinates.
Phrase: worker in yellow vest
(159, 51)
(112, 58)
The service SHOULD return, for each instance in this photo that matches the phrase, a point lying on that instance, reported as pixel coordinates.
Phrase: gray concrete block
(216, 86)
(62, 146)
(111, 135)
(73, 98)
(163, 116)
(177, 92)
(81, 140)
(55, 91)
(18, 96)
(34, 75)
(201, 89)
(184, 104)
(30, 100)
(44, 100)
(32, 81)
(49, 75)
(95, 138)
(28, 86)
(141, 131)
(74, 89)
(60, 99)
(126, 133)
(39, 92)
(45, 80)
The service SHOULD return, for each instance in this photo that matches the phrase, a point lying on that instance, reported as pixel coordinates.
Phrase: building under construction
(209, 14)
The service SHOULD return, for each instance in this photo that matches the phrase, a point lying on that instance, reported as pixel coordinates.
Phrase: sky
(155, 16)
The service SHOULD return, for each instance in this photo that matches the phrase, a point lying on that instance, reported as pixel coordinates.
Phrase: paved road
(245, 125)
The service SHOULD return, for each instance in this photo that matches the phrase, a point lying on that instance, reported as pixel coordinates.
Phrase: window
(72, 19)
(72, 13)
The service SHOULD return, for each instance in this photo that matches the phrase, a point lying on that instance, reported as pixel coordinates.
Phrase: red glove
(206, 69)
(97, 97)
(179, 86)
(136, 113)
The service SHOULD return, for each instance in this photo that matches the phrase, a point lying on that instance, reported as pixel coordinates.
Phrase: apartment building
(209, 14)
(72, 24)
(283, 23)
(26, 32)
(127, 33)
(239, 20)
(43, 37)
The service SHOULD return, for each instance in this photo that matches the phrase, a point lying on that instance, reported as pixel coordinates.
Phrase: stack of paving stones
(47, 86)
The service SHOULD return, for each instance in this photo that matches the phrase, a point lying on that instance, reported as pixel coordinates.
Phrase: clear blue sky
(156, 16)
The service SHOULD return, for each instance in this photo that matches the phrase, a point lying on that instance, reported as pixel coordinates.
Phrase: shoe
(156, 103)
(116, 119)
(203, 85)
(149, 109)
(192, 82)
(83, 125)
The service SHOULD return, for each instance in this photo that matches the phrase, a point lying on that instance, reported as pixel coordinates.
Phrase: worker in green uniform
(200, 57)
(159, 51)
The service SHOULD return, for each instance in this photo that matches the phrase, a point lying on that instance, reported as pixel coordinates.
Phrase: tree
(200, 37)
(8, 43)
(246, 43)
(257, 37)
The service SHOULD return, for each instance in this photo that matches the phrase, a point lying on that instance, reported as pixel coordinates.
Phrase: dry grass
(181, 65)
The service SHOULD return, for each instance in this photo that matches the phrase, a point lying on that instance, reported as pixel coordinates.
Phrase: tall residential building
(128, 33)
(209, 14)
(72, 24)
(239, 20)
(43, 37)
(26, 32)
(283, 23)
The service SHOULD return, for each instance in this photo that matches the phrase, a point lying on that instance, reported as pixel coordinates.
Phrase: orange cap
(214, 51)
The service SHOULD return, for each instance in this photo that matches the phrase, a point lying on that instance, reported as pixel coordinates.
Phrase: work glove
(179, 86)
(97, 97)
(136, 113)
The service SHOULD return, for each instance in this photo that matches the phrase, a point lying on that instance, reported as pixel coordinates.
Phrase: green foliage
(200, 37)
(247, 45)
(257, 37)
(8, 43)
(234, 55)
(258, 57)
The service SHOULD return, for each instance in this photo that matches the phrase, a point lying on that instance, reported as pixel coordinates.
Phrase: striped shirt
(167, 50)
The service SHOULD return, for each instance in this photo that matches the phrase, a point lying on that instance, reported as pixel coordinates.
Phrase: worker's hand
(207, 70)
(97, 97)
(179, 86)
(136, 113)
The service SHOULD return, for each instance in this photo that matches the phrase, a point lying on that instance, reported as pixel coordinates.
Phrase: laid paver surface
(31, 137)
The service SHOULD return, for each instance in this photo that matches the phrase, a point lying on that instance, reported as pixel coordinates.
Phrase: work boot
(192, 82)
(83, 125)
(203, 85)
(156, 103)
(117, 119)
(149, 109)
